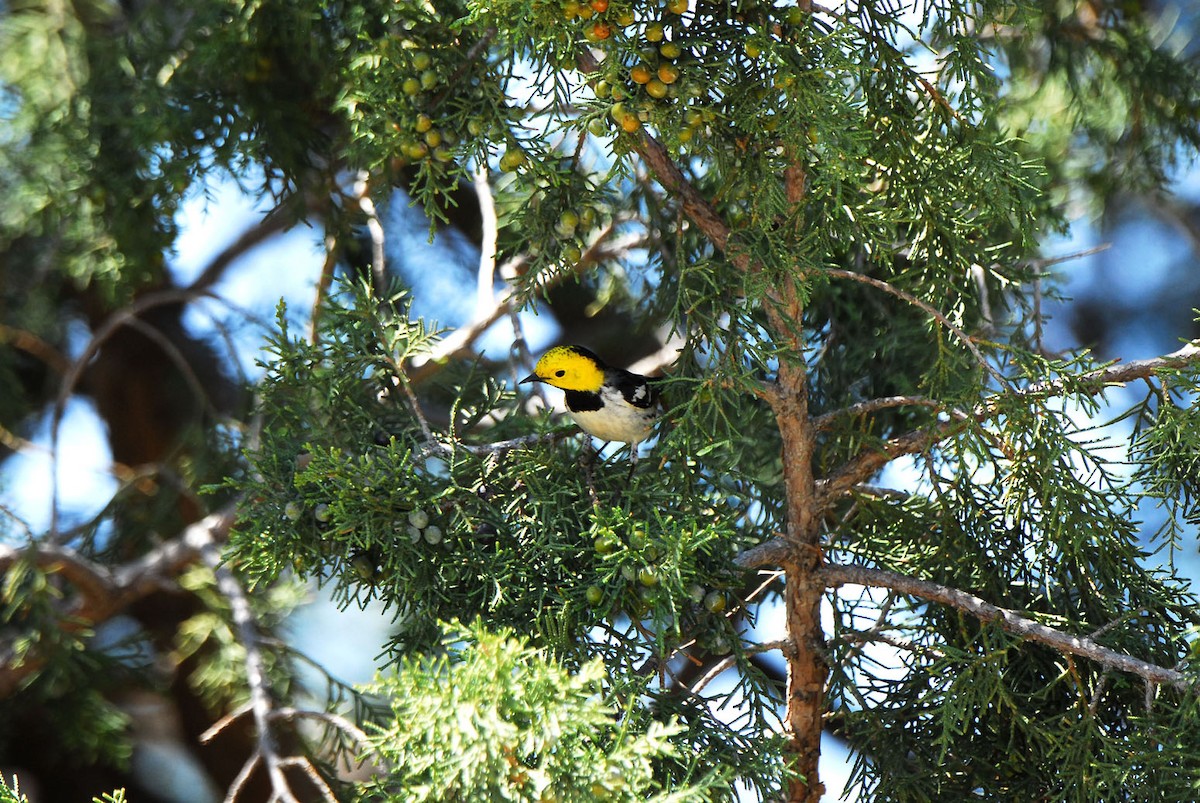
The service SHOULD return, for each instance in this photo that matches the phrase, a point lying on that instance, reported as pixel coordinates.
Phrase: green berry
(418, 518)
(595, 595)
(715, 602)
(512, 159)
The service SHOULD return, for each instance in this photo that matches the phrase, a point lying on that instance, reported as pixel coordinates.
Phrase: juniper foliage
(832, 214)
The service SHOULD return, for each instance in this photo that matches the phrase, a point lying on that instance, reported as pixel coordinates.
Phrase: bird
(608, 403)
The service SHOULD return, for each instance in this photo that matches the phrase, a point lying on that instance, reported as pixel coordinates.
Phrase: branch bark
(836, 575)
(789, 400)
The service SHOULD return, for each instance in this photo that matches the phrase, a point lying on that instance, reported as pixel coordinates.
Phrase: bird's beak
(530, 378)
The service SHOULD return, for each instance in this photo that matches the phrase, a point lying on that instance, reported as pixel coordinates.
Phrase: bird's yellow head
(569, 368)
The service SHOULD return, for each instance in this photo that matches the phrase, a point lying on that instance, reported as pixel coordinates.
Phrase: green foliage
(490, 717)
(348, 490)
(117, 796)
(70, 676)
(11, 794)
(890, 168)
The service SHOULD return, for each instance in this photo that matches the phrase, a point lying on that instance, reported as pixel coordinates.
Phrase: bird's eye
(560, 373)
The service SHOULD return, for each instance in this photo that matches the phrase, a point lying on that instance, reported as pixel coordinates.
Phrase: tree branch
(262, 705)
(458, 342)
(837, 574)
(783, 645)
(869, 461)
(826, 420)
(275, 221)
(928, 309)
(103, 592)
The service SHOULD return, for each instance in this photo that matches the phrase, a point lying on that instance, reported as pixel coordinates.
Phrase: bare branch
(261, 702)
(836, 575)
(774, 551)
(277, 220)
(928, 309)
(324, 282)
(878, 636)
(872, 405)
(214, 730)
(459, 342)
(34, 346)
(869, 461)
(125, 316)
(487, 247)
(445, 448)
(1045, 262)
(362, 195)
(339, 722)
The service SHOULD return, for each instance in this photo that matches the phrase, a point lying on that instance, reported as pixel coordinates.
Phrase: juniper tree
(819, 225)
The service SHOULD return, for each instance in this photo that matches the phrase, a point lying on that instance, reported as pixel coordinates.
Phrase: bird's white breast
(618, 420)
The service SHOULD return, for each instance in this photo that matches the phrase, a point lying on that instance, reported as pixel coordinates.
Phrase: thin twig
(825, 420)
(785, 645)
(489, 227)
(324, 282)
(458, 342)
(928, 309)
(235, 788)
(405, 386)
(224, 722)
(362, 195)
(273, 222)
(36, 347)
(1045, 262)
(103, 592)
(71, 378)
(336, 720)
(435, 446)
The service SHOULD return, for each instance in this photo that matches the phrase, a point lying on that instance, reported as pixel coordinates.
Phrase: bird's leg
(633, 458)
(586, 460)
